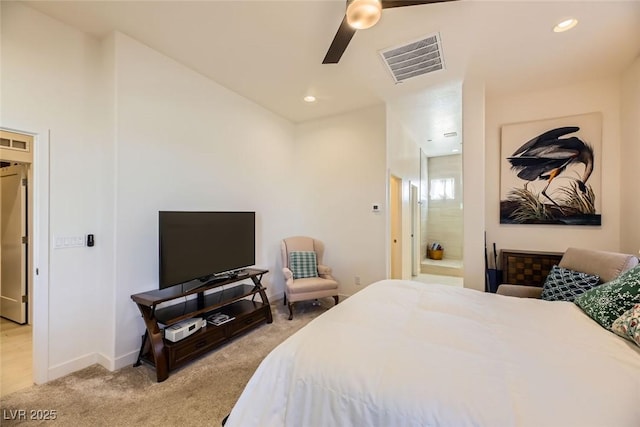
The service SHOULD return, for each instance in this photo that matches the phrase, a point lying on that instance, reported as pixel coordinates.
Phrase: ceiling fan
(361, 14)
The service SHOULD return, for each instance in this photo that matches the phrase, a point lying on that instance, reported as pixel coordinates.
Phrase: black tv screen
(197, 245)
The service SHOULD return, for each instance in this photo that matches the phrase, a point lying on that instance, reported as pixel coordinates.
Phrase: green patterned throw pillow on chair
(607, 302)
(303, 264)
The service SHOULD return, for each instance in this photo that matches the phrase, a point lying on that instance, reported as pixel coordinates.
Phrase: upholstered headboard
(607, 265)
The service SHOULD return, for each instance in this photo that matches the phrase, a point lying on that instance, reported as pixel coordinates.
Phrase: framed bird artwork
(550, 171)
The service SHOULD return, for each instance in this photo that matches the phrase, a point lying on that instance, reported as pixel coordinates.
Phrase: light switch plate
(60, 242)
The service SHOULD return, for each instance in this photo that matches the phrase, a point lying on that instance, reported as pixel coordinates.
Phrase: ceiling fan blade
(388, 4)
(345, 32)
(339, 43)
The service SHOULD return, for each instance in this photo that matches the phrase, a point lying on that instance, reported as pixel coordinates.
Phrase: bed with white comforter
(402, 353)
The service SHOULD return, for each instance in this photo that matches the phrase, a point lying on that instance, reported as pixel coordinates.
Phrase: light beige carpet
(201, 393)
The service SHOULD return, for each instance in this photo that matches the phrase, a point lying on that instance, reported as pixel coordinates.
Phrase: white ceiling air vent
(414, 59)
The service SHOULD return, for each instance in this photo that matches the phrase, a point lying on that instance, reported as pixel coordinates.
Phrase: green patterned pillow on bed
(607, 302)
(303, 264)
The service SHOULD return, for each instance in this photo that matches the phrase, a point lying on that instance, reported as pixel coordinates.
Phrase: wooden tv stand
(166, 355)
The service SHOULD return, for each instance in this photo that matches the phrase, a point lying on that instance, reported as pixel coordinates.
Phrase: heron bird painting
(552, 183)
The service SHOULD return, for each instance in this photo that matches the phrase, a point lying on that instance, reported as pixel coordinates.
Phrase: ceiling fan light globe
(565, 25)
(362, 14)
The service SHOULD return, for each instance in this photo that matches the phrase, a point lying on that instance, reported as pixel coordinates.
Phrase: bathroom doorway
(442, 216)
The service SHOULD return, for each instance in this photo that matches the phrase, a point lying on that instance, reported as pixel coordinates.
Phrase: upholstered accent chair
(306, 276)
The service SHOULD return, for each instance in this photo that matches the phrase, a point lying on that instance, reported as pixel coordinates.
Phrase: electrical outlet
(356, 280)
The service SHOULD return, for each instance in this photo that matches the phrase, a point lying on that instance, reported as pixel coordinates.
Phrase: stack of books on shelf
(218, 319)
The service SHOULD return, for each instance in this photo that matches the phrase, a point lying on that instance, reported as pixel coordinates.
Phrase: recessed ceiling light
(565, 25)
(309, 98)
(455, 150)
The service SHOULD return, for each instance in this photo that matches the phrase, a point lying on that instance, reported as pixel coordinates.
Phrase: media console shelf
(233, 301)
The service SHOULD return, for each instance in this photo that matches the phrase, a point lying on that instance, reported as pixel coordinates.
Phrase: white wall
(49, 77)
(339, 170)
(473, 173)
(596, 96)
(186, 143)
(105, 236)
(630, 156)
(403, 161)
(132, 132)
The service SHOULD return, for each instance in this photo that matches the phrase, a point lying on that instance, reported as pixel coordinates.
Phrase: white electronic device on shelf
(183, 329)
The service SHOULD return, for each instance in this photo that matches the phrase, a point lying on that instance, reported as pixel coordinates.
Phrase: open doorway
(431, 121)
(13, 247)
(443, 216)
(16, 250)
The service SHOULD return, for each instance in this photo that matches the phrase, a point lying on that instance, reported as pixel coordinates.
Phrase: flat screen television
(203, 245)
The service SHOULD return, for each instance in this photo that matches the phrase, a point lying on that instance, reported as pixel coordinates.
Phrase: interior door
(13, 228)
(415, 242)
(395, 202)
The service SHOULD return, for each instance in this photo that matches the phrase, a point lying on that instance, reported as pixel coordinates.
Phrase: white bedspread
(402, 353)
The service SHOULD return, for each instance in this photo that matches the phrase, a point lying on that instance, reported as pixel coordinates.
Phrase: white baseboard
(104, 361)
(72, 366)
(275, 296)
(91, 359)
(280, 300)
(119, 362)
(126, 360)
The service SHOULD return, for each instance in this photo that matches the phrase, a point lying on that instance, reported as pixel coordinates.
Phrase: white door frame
(39, 268)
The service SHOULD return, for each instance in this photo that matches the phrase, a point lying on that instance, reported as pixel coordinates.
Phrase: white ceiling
(271, 51)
